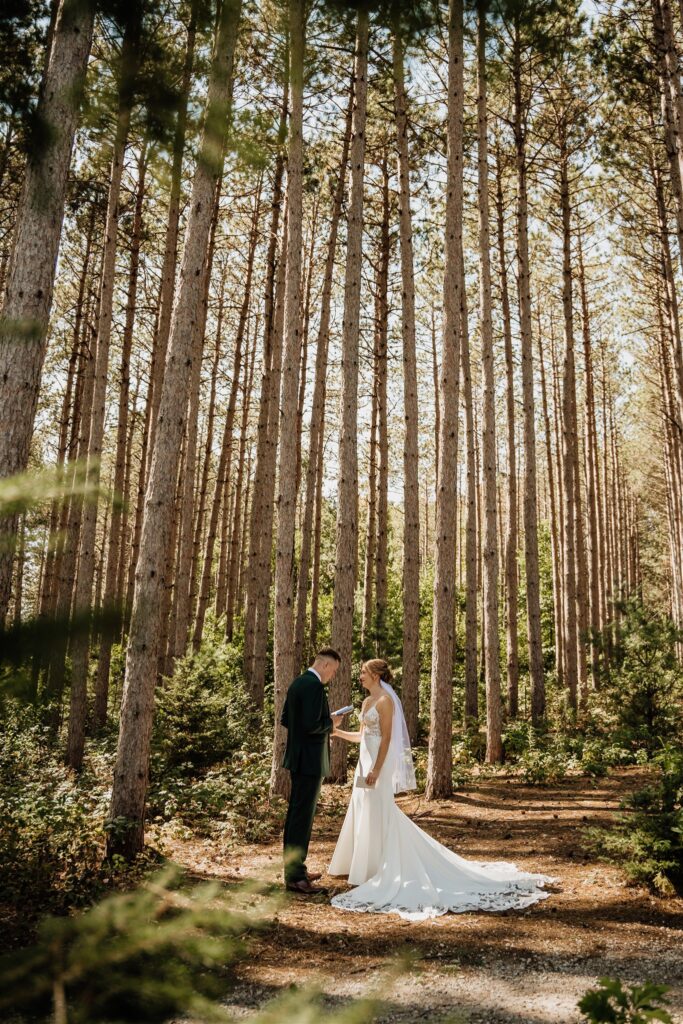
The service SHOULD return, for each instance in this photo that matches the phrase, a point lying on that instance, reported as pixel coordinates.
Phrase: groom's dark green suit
(306, 716)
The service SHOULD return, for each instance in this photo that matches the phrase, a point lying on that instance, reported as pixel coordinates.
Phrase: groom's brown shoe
(313, 876)
(305, 888)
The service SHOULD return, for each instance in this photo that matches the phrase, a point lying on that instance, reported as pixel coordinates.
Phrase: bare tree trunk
(70, 414)
(591, 474)
(411, 494)
(168, 269)
(111, 594)
(511, 539)
(319, 390)
(31, 272)
(66, 565)
(571, 637)
(208, 448)
(223, 471)
(263, 578)
(555, 548)
(369, 574)
(137, 710)
(264, 457)
(347, 508)
(236, 547)
(382, 331)
(494, 745)
(315, 576)
(439, 781)
(471, 674)
(291, 364)
(80, 647)
(184, 588)
(530, 510)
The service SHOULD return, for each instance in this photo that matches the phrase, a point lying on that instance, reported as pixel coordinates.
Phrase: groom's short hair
(329, 652)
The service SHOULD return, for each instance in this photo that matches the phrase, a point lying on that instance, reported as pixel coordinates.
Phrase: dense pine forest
(348, 323)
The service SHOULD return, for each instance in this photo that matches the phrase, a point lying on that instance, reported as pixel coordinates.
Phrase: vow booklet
(344, 711)
(361, 783)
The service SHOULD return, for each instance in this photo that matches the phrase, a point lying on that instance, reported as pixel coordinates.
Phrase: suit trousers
(299, 823)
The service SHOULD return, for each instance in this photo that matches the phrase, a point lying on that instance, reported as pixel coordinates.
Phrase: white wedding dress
(399, 869)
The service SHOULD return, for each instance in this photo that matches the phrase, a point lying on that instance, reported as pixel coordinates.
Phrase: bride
(395, 866)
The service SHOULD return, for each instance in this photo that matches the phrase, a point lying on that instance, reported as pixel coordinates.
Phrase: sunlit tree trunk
(347, 509)
(291, 364)
(494, 745)
(533, 591)
(80, 646)
(511, 538)
(439, 781)
(270, 386)
(111, 594)
(411, 494)
(319, 392)
(31, 272)
(137, 710)
(471, 580)
(225, 460)
(236, 546)
(381, 337)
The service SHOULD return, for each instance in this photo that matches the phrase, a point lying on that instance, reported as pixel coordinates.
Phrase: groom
(306, 716)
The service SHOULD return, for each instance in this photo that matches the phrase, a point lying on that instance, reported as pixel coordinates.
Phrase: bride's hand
(371, 778)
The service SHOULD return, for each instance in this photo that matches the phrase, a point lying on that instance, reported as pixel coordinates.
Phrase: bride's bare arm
(350, 737)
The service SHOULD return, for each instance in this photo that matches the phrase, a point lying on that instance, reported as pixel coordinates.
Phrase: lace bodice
(370, 720)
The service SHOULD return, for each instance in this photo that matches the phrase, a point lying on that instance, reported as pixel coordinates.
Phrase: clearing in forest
(527, 967)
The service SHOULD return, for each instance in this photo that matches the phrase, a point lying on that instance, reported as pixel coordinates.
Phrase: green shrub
(647, 841)
(51, 823)
(229, 802)
(642, 693)
(203, 713)
(611, 1003)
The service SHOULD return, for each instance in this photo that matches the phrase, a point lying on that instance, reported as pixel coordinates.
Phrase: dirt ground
(522, 967)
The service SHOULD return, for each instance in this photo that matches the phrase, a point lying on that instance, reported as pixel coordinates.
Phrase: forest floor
(522, 967)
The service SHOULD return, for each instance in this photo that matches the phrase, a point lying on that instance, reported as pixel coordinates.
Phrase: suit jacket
(306, 717)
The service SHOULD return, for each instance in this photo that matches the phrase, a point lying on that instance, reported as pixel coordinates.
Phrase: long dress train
(399, 869)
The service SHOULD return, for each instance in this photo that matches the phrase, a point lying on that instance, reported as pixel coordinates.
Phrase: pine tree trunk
(318, 406)
(590, 434)
(184, 581)
(80, 646)
(291, 364)
(554, 539)
(439, 781)
(111, 594)
(494, 745)
(382, 330)
(347, 508)
(168, 269)
(571, 638)
(137, 710)
(411, 488)
(236, 545)
(369, 573)
(511, 538)
(270, 386)
(31, 272)
(530, 506)
(471, 673)
(208, 449)
(225, 460)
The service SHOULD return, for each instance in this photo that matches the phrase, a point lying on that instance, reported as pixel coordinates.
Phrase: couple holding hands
(392, 865)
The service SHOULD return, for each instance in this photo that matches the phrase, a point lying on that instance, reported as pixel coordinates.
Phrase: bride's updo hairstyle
(379, 667)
